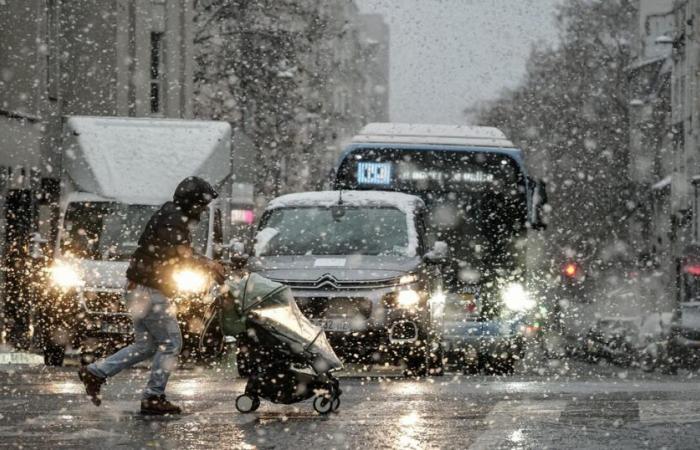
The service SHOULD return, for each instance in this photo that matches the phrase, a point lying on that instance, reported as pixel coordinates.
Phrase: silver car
(357, 265)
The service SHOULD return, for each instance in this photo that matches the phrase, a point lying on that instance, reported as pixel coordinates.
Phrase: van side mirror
(38, 246)
(439, 253)
(537, 214)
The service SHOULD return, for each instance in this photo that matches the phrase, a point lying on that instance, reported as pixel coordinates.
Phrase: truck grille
(323, 307)
(105, 302)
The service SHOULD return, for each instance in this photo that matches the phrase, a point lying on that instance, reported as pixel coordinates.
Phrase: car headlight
(515, 298)
(65, 276)
(408, 298)
(188, 281)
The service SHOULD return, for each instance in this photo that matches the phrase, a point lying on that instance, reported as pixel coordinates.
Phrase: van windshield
(338, 230)
(110, 230)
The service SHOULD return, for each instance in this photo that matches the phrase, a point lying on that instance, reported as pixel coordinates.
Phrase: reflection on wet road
(606, 408)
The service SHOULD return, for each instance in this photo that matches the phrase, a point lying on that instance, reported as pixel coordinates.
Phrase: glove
(218, 271)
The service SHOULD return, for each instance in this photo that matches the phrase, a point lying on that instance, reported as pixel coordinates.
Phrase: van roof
(141, 160)
(405, 133)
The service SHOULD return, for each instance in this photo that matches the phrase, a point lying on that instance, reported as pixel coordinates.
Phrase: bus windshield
(476, 200)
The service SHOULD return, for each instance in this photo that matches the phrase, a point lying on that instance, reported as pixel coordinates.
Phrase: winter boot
(157, 405)
(92, 383)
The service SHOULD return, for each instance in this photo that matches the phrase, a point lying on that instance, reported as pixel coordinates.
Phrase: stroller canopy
(271, 305)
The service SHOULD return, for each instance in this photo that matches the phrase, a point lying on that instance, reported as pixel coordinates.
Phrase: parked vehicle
(359, 265)
(481, 202)
(683, 347)
(116, 173)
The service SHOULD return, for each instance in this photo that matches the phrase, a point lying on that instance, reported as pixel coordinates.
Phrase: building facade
(298, 77)
(665, 138)
(651, 146)
(60, 58)
(80, 57)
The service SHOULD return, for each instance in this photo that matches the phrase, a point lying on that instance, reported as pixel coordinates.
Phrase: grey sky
(450, 54)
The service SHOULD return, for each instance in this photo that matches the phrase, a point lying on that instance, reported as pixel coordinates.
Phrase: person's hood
(342, 268)
(192, 195)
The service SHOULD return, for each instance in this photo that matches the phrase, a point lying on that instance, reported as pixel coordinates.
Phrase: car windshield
(111, 230)
(339, 230)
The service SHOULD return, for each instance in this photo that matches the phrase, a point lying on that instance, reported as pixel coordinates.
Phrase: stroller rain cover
(271, 305)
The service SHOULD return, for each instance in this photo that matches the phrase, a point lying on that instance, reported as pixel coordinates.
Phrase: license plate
(337, 325)
(468, 301)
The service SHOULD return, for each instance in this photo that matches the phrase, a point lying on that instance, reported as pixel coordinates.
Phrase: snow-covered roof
(141, 160)
(432, 134)
(404, 202)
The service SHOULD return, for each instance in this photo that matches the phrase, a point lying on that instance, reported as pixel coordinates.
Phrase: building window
(156, 72)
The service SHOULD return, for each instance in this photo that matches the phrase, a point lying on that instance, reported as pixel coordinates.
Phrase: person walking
(165, 245)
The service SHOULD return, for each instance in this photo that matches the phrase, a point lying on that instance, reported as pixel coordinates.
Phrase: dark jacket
(166, 242)
(160, 249)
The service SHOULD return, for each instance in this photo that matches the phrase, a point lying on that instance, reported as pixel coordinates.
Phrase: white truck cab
(116, 173)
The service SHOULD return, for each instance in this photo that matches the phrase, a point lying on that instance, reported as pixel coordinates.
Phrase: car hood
(342, 268)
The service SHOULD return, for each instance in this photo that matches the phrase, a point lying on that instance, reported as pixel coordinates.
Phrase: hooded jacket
(166, 242)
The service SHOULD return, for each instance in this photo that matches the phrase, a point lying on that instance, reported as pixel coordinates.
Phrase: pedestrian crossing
(506, 425)
(476, 413)
(507, 419)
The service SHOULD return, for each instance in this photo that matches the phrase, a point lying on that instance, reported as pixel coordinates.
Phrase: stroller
(291, 359)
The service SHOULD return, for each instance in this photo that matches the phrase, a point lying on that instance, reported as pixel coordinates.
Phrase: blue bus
(483, 205)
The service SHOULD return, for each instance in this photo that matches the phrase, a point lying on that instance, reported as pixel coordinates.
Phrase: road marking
(507, 420)
(664, 411)
(21, 358)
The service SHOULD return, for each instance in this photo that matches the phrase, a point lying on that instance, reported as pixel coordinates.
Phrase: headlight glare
(65, 276)
(408, 298)
(516, 298)
(188, 281)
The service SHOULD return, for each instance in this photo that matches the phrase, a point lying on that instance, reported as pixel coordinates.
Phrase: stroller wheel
(246, 404)
(323, 405)
(335, 404)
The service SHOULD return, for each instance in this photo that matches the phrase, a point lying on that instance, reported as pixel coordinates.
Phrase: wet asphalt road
(572, 405)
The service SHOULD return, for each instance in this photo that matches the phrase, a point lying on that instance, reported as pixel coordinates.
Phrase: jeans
(156, 335)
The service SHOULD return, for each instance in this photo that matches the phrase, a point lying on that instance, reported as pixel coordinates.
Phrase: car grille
(348, 307)
(329, 283)
(105, 302)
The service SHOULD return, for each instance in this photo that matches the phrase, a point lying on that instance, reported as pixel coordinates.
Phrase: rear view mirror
(439, 253)
(38, 246)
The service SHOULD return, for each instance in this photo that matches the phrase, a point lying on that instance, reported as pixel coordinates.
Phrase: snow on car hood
(343, 268)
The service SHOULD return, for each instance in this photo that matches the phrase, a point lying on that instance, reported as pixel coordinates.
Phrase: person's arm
(213, 267)
(174, 239)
